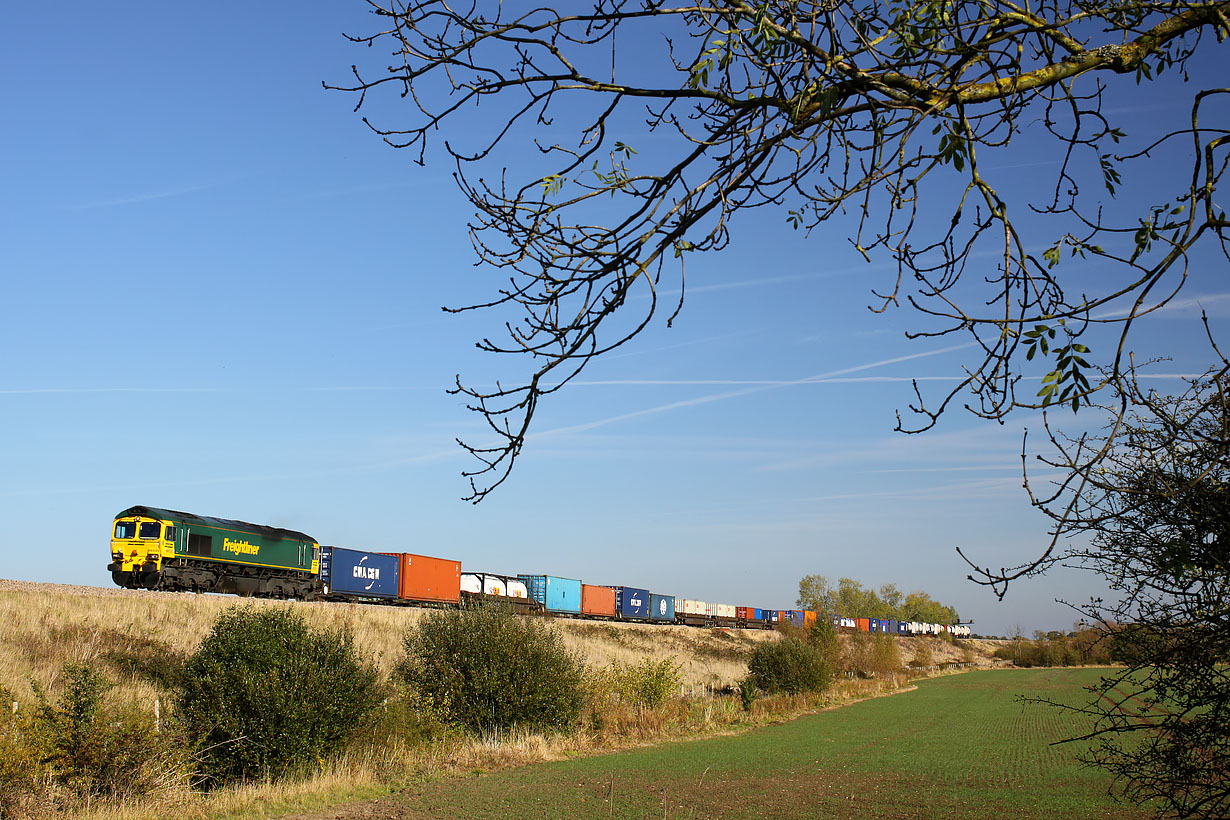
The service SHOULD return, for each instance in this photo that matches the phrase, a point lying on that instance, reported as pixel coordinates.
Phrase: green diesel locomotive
(153, 548)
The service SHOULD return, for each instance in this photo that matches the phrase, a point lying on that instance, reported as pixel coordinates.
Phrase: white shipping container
(724, 610)
(689, 606)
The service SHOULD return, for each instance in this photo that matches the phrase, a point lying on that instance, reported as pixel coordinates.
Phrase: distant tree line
(851, 599)
(1081, 647)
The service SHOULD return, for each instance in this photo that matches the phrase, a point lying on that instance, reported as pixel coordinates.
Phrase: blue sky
(223, 295)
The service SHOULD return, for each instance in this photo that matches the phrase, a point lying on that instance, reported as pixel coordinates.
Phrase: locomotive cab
(138, 546)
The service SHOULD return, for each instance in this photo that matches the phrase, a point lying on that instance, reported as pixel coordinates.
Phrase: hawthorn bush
(265, 693)
(489, 669)
(790, 665)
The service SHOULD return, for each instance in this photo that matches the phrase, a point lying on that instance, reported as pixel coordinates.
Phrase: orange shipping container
(596, 600)
(864, 624)
(745, 613)
(423, 578)
(809, 619)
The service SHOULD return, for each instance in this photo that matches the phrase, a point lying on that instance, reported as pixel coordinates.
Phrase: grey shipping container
(357, 573)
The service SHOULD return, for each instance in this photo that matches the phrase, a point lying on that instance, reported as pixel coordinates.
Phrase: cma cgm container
(358, 573)
(632, 602)
(427, 579)
(661, 607)
(555, 594)
(596, 600)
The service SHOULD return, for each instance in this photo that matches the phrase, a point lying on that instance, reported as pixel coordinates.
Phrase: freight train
(153, 548)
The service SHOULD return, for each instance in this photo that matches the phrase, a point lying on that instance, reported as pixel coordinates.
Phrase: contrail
(576, 428)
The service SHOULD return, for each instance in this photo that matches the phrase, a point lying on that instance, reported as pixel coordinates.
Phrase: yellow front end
(138, 547)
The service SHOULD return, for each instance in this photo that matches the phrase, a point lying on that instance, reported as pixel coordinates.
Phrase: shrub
(113, 752)
(82, 745)
(923, 656)
(20, 767)
(747, 694)
(648, 683)
(823, 636)
(789, 665)
(489, 669)
(885, 655)
(264, 693)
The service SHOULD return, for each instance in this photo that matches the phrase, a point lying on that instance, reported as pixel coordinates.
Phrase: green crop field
(958, 747)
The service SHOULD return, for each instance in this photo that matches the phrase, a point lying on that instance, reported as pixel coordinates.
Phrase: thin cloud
(369, 466)
(692, 290)
(690, 343)
(86, 390)
(358, 189)
(150, 196)
(1189, 305)
(765, 382)
(760, 388)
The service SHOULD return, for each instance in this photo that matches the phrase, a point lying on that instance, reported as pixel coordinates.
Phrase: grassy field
(124, 635)
(957, 747)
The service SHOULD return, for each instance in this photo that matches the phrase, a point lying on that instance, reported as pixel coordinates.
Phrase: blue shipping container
(354, 572)
(903, 627)
(661, 607)
(554, 593)
(631, 602)
(874, 624)
(758, 615)
(891, 627)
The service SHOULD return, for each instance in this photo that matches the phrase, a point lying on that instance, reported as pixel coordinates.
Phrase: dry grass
(48, 626)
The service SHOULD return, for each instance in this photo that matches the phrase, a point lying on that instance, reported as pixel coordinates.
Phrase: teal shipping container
(554, 593)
